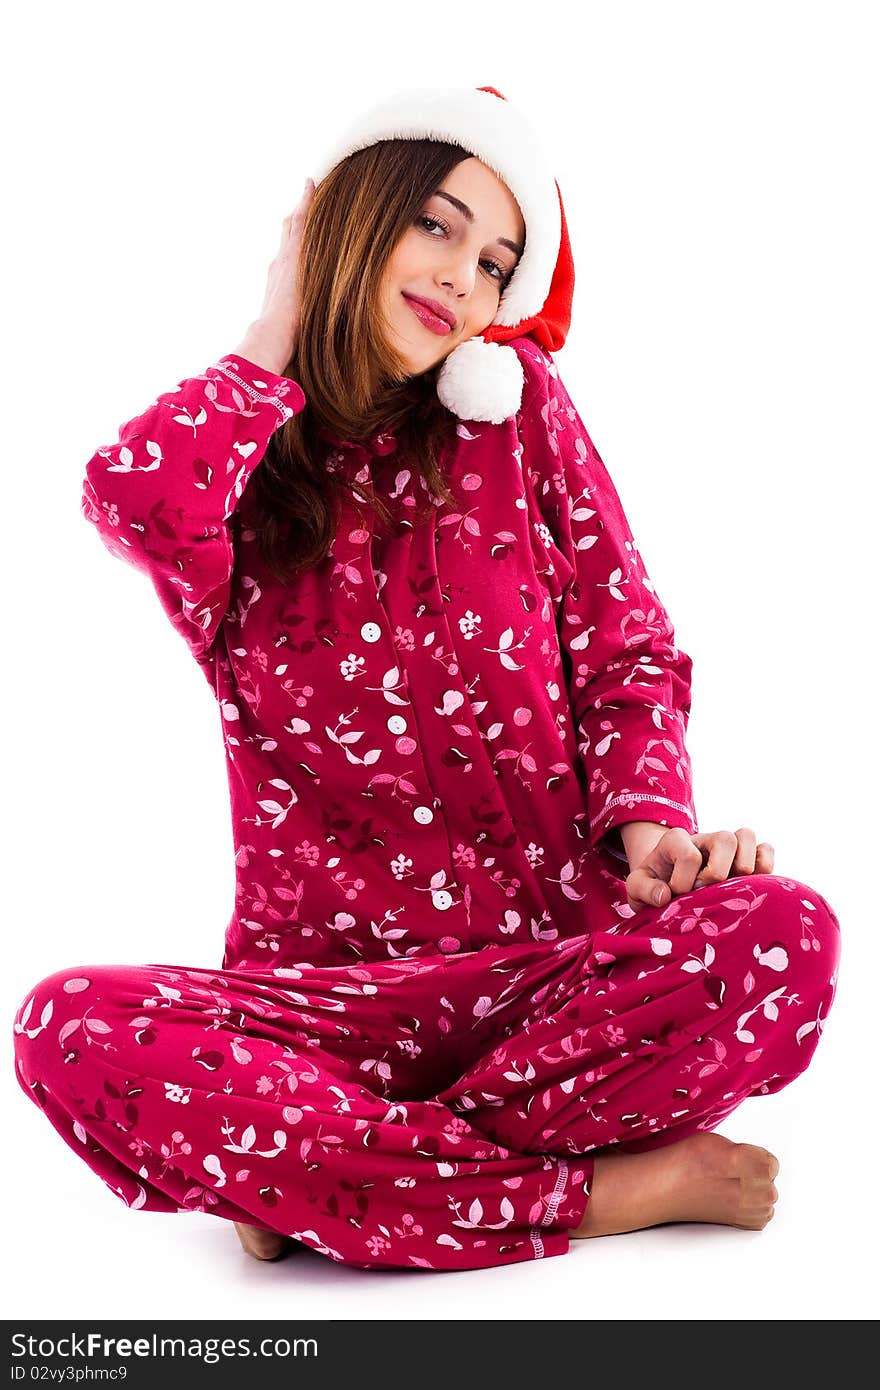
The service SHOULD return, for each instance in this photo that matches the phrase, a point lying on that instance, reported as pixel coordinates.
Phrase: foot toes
(755, 1219)
(757, 1167)
(755, 1162)
(262, 1245)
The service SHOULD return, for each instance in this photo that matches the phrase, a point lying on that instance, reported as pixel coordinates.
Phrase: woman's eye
(426, 217)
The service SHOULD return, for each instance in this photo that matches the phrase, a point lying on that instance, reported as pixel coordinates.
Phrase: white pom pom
(482, 381)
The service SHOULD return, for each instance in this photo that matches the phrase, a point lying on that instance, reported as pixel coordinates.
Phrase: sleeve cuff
(627, 806)
(262, 386)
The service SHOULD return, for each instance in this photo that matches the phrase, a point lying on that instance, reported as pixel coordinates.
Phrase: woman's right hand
(274, 334)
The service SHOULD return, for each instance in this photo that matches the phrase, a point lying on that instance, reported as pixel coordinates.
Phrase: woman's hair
(355, 384)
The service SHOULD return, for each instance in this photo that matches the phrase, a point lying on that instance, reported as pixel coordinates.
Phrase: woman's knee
(796, 930)
(55, 1009)
(766, 931)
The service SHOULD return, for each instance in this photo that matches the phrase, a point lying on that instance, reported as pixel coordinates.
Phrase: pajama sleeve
(163, 498)
(629, 684)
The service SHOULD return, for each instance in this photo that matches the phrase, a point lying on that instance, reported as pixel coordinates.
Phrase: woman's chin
(417, 364)
(419, 358)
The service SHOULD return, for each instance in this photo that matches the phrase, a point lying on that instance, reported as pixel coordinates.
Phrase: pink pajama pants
(436, 1112)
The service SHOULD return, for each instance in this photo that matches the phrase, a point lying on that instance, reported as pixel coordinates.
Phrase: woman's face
(456, 256)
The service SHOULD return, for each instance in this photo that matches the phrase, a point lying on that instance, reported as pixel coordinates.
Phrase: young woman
(486, 986)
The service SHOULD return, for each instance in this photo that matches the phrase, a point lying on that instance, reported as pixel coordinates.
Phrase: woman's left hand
(681, 862)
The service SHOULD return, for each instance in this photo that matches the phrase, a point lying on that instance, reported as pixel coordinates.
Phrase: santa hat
(482, 379)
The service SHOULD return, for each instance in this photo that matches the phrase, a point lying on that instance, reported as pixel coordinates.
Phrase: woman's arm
(629, 683)
(163, 497)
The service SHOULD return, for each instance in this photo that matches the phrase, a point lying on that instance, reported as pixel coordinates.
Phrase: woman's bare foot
(702, 1178)
(263, 1245)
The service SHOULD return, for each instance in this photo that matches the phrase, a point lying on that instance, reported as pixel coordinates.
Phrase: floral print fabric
(434, 1001)
(428, 737)
(432, 1113)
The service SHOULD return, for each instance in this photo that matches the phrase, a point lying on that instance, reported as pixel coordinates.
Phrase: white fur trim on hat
(478, 380)
(499, 135)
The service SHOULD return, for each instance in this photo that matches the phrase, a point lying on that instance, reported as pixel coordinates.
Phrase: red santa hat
(481, 379)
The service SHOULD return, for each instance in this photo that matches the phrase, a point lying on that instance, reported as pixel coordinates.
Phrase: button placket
(457, 934)
(484, 790)
(354, 547)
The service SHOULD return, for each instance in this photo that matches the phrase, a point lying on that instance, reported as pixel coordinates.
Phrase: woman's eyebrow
(466, 212)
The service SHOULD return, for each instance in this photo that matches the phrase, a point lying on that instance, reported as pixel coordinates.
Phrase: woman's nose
(459, 274)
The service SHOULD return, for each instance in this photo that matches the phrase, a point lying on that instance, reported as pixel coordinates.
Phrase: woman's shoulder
(538, 369)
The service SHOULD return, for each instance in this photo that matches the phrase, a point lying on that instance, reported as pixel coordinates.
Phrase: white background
(718, 168)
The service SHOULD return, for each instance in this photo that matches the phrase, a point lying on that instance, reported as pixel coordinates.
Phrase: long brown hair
(355, 384)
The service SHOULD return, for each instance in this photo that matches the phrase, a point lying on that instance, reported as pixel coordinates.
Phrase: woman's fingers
(670, 868)
(682, 862)
(744, 859)
(642, 888)
(765, 857)
(712, 857)
(299, 212)
(279, 317)
(723, 847)
(300, 209)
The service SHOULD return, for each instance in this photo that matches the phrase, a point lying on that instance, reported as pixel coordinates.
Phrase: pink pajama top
(428, 736)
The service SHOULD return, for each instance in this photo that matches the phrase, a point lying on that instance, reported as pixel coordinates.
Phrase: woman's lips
(425, 316)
